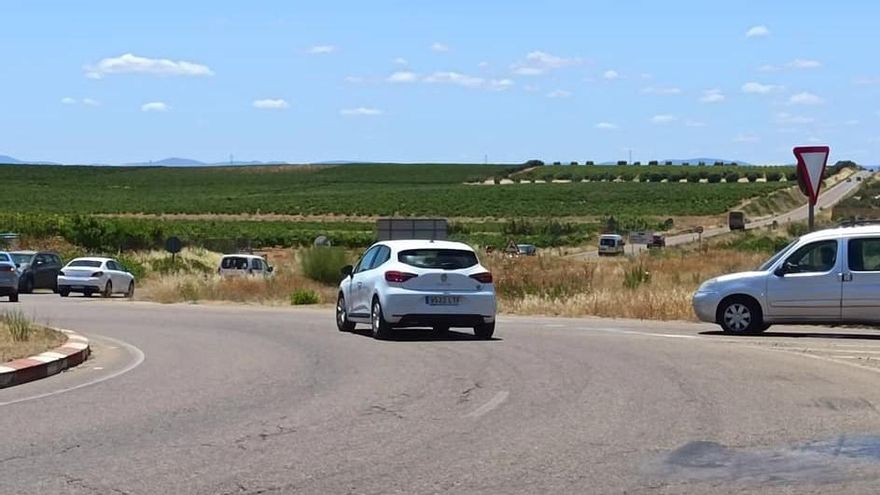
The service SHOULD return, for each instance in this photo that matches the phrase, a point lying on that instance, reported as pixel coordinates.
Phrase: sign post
(173, 246)
(811, 162)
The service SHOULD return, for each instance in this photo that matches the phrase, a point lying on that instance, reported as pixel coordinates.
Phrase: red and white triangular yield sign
(811, 161)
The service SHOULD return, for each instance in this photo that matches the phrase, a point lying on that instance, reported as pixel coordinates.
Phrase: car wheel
(63, 292)
(381, 328)
(13, 297)
(342, 321)
(740, 316)
(485, 330)
(130, 292)
(108, 290)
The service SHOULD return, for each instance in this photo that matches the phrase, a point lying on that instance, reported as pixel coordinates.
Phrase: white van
(611, 244)
(243, 264)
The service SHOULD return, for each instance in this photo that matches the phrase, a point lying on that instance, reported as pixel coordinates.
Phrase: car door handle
(846, 277)
(360, 284)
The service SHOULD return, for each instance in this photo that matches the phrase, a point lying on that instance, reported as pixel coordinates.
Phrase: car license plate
(443, 300)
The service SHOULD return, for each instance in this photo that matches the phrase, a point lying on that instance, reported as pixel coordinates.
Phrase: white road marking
(492, 404)
(139, 358)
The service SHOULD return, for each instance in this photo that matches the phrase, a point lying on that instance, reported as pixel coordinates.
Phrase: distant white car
(243, 264)
(611, 244)
(416, 283)
(88, 276)
(8, 277)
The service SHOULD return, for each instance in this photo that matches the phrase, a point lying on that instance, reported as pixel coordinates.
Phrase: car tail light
(98, 274)
(398, 277)
(483, 278)
(6, 268)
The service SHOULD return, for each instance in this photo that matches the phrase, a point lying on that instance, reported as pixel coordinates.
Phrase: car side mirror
(347, 270)
(785, 268)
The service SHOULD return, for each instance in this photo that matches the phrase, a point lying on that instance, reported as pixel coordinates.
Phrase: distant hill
(690, 161)
(8, 160)
(173, 162)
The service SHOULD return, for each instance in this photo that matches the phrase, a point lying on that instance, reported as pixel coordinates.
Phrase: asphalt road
(246, 400)
(827, 199)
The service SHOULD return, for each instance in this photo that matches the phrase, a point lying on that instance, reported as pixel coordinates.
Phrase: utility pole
(630, 156)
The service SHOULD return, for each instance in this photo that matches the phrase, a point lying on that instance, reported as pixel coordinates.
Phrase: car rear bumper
(77, 284)
(411, 308)
(7, 290)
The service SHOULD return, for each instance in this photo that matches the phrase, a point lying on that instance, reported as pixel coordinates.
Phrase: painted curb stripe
(73, 352)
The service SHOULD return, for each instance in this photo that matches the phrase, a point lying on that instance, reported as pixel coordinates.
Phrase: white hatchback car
(417, 283)
(826, 277)
(88, 276)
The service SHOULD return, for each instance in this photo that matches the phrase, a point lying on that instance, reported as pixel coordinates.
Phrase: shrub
(534, 163)
(323, 264)
(752, 176)
(564, 176)
(718, 164)
(627, 176)
(636, 276)
(18, 325)
(774, 176)
(686, 164)
(693, 177)
(621, 162)
(791, 176)
(637, 164)
(589, 163)
(668, 162)
(557, 163)
(132, 266)
(653, 162)
(304, 296)
(573, 163)
(701, 164)
(731, 177)
(714, 178)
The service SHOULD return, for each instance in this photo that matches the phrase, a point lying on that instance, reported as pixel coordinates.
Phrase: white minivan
(827, 277)
(243, 264)
(611, 244)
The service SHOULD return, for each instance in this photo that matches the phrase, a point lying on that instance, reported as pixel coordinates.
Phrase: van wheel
(740, 315)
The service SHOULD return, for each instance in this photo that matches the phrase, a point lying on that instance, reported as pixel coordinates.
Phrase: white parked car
(243, 264)
(88, 276)
(826, 277)
(416, 283)
(611, 244)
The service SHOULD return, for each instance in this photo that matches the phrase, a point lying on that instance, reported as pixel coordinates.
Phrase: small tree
(534, 163)
(774, 176)
(627, 176)
(791, 176)
(638, 164)
(731, 177)
(752, 176)
(701, 164)
(621, 162)
(714, 178)
(668, 162)
(686, 164)
(589, 163)
(693, 178)
(653, 162)
(557, 163)
(718, 164)
(573, 163)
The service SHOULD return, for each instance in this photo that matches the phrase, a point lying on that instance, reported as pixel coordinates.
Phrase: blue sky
(114, 82)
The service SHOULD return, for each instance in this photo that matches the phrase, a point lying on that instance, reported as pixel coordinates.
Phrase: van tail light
(399, 277)
(98, 274)
(483, 278)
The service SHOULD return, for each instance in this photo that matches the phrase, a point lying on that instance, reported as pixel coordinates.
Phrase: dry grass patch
(20, 337)
(275, 290)
(657, 287)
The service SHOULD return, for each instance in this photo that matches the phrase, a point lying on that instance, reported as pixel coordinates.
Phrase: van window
(813, 258)
(446, 259)
(234, 263)
(257, 264)
(608, 241)
(864, 255)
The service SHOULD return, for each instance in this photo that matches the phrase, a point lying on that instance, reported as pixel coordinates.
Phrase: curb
(73, 352)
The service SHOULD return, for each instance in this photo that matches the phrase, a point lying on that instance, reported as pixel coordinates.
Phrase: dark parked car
(37, 270)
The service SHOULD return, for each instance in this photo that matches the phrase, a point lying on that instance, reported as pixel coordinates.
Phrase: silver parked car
(826, 277)
(8, 277)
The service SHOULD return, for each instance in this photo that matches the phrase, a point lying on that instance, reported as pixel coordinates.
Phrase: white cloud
(611, 75)
(805, 98)
(455, 78)
(758, 88)
(785, 118)
(694, 123)
(155, 106)
(712, 96)
(68, 100)
(400, 61)
(608, 126)
(133, 64)
(321, 49)
(651, 90)
(746, 138)
(360, 111)
(439, 47)
(403, 77)
(798, 63)
(91, 102)
(500, 84)
(538, 62)
(271, 104)
(663, 119)
(757, 32)
(559, 93)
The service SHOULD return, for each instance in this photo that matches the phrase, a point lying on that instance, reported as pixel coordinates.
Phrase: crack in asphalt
(81, 483)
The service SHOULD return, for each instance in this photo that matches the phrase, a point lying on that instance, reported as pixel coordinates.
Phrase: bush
(557, 163)
(636, 276)
(323, 264)
(714, 178)
(701, 164)
(621, 162)
(774, 176)
(752, 176)
(791, 176)
(573, 163)
(18, 325)
(693, 178)
(653, 162)
(731, 177)
(564, 176)
(534, 163)
(304, 296)
(638, 164)
(132, 266)
(668, 162)
(589, 163)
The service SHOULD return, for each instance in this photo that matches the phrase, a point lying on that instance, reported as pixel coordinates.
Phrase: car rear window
(20, 258)
(446, 259)
(5, 258)
(87, 263)
(607, 242)
(234, 263)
